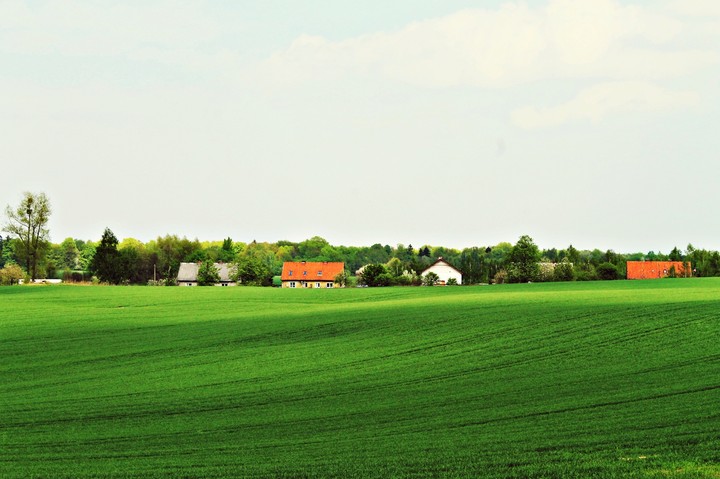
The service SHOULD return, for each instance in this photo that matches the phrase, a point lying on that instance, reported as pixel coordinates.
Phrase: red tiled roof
(311, 271)
(653, 269)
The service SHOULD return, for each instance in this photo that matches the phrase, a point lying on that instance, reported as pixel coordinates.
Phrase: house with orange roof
(311, 274)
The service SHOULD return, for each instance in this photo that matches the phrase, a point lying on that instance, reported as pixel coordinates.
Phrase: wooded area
(131, 261)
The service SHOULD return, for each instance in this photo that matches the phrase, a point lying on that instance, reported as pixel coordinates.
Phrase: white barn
(444, 270)
(187, 275)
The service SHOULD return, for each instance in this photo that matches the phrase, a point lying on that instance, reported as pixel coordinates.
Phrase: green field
(611, 379)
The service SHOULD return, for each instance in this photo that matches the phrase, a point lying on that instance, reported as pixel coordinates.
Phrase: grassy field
(613, 379)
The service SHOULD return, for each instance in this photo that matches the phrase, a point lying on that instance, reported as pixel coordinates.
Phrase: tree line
(27, 252)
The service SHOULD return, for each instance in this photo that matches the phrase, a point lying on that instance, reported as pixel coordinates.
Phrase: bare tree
(28, 222)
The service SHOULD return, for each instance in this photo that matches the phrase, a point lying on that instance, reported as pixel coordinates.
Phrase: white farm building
(444, 270)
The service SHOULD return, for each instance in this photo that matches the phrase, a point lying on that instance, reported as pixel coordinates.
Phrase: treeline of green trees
(131, 261)
(27, 253)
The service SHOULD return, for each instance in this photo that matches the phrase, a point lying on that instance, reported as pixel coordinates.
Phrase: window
(304, 273)
(290, 273)
(317, 285)
(292, 284)
(329, 285)
(319, 273)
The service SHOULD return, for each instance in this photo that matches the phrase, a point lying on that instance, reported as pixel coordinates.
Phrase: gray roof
(189, 271)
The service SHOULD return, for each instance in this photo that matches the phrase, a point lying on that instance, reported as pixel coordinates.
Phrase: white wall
(444, 272)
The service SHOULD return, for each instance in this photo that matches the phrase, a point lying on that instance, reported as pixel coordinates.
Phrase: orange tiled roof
(311, 271)
(653, 269)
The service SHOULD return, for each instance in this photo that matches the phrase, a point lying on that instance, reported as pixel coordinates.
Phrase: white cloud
(599, 101)
(701, 8)
(511, 45)
(163, 31)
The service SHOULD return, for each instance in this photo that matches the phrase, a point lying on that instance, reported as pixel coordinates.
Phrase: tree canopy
(524, 258)
(28, 223)
(106, 262)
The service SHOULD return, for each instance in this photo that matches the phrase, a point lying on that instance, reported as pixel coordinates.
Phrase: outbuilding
(657, 269)
(188, 274)
(444, 270)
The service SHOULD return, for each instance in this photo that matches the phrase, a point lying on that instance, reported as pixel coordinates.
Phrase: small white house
(187, 275)
(444, 270)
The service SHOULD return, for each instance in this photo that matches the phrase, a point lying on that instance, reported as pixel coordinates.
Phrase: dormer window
(319, 273)
(290, 273)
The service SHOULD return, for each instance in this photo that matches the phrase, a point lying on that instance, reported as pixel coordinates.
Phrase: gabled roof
(189, 272)
(311, 271)
(438, 261)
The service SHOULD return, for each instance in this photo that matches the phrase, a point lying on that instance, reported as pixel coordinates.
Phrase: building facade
(444, 270)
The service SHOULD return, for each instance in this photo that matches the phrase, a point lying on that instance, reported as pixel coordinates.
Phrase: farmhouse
(306, 274)
(444, 270)
(657, 269)
(188, 274)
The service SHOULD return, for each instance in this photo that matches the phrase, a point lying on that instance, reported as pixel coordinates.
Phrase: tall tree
(208, 274)
(70, 254)
(227, 251)
(106, 263)
(28, 222)
(523, 259)
(472, 265)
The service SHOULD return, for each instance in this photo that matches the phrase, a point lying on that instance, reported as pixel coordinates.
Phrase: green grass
(614, 379)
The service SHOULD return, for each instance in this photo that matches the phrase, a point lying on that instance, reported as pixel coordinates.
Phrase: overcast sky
(446, 122)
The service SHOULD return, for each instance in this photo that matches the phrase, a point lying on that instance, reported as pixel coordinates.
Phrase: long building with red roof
(310, 274)
(657, 269)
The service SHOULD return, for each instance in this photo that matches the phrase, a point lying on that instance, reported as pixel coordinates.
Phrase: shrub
(607, 271)
(207, 274)
(500, 277)
(385, 279)
(430, 279)
(564, 271)
(372, 273)
(342, 279)
(11, 274)
(586, 273)
(452, 282)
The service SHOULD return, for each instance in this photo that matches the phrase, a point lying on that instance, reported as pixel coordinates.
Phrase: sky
(442, 122)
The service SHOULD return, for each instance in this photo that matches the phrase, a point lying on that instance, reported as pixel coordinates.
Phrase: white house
(188, 272)
(444, 270)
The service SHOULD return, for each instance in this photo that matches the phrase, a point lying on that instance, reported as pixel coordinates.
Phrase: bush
(374, 275)
(500, 277)
(385, 279)
(586, 273)
(207, 274)
(11, 274)
(607, 271)
(563, 271)
(452, 282)
(430, 279)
